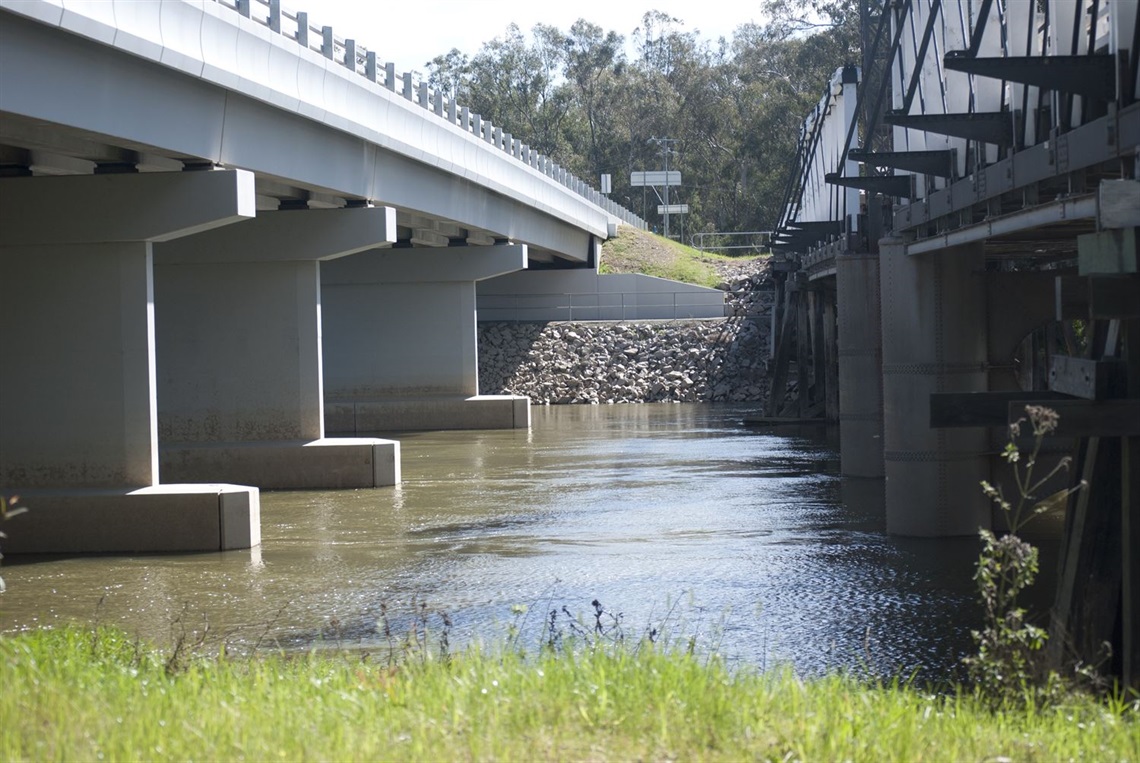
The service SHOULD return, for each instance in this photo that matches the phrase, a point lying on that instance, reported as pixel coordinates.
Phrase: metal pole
(665, 145)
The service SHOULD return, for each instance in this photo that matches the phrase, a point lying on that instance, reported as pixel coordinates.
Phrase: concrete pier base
(240, 388)
(400, 341)
(428, 414)
(342, 462)
(860, 365)
(78, 429)
(934, 340)
(160, 518)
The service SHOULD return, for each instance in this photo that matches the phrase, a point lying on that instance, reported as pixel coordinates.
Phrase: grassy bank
(98, 695)
(638, 251)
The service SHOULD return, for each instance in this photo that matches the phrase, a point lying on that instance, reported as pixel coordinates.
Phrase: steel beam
(1093, 76)
(797, 237)
(938, 163)
(1090, 418)
(1062, 210)
(952, 410)
(890, 185)
(987, 126)
(822, 228)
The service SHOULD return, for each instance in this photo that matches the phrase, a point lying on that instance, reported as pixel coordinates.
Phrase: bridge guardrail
(755, 240)
(364, 62)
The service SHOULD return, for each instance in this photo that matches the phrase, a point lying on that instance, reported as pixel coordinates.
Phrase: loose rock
(721, 359)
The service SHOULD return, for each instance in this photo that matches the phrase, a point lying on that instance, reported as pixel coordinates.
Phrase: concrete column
(78, 349)
(240, 391)
(239, 352)
(860, 365)
(934, 340)
(400, 346)
(78, 430)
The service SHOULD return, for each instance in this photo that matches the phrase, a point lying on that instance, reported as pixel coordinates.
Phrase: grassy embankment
(638, 251)
(96, 694)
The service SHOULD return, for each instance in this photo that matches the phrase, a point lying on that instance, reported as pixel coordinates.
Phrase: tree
(734, 109)
(514, 84)
(595, 63)
(450, 74)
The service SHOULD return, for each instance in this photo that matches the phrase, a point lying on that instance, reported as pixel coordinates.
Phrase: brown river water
(677, 517)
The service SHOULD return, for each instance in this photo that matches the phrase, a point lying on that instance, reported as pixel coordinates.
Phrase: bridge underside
(61, 117)
(214, 237)
(30, 147)
(203, 268)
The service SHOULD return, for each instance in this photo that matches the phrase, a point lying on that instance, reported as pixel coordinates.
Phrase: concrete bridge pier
(78, 425)
(240, 392)
(934, 340)
(860, 365)
(400, 340)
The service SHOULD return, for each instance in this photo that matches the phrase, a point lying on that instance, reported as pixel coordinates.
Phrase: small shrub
(1008, 663)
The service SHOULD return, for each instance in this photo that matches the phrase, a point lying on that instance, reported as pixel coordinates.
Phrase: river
(676, 517)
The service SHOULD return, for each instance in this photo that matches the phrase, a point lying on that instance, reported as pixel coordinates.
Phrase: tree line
(732, 107)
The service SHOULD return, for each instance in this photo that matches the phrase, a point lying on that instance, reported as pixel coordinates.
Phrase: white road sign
(659, 177)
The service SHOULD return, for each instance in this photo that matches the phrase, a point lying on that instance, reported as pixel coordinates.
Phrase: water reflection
(745, 538)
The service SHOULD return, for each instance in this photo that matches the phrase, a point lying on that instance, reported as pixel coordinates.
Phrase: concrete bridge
(961, 199)
(224, 234)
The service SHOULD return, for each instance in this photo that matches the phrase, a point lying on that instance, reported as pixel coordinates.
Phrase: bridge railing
(366, 63)
(731, 241)
(815, 208)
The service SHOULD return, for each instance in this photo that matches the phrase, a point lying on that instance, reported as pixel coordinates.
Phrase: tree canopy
(732, 108)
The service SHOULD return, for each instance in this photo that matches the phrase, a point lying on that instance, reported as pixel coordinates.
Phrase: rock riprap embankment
(635, 362)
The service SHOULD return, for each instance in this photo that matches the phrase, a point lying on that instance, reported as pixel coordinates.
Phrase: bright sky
(411, 32)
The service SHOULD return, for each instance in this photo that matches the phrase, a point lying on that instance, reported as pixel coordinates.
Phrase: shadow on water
(673, 515)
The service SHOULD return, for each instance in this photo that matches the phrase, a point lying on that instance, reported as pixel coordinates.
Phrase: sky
(409, 33)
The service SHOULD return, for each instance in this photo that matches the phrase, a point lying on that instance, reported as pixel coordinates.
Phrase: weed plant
(1009, 662)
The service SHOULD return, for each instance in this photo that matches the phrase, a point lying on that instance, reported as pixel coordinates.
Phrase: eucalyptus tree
(515, 83)
(450, 74)
(595, 66)
(732, 109)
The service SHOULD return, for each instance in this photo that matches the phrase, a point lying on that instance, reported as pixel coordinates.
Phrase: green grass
(96, 694)
(636, 251)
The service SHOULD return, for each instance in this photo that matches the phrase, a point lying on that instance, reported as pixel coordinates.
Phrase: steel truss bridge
(958, 240)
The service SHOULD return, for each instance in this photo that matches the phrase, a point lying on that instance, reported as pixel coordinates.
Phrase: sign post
(664, 178)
